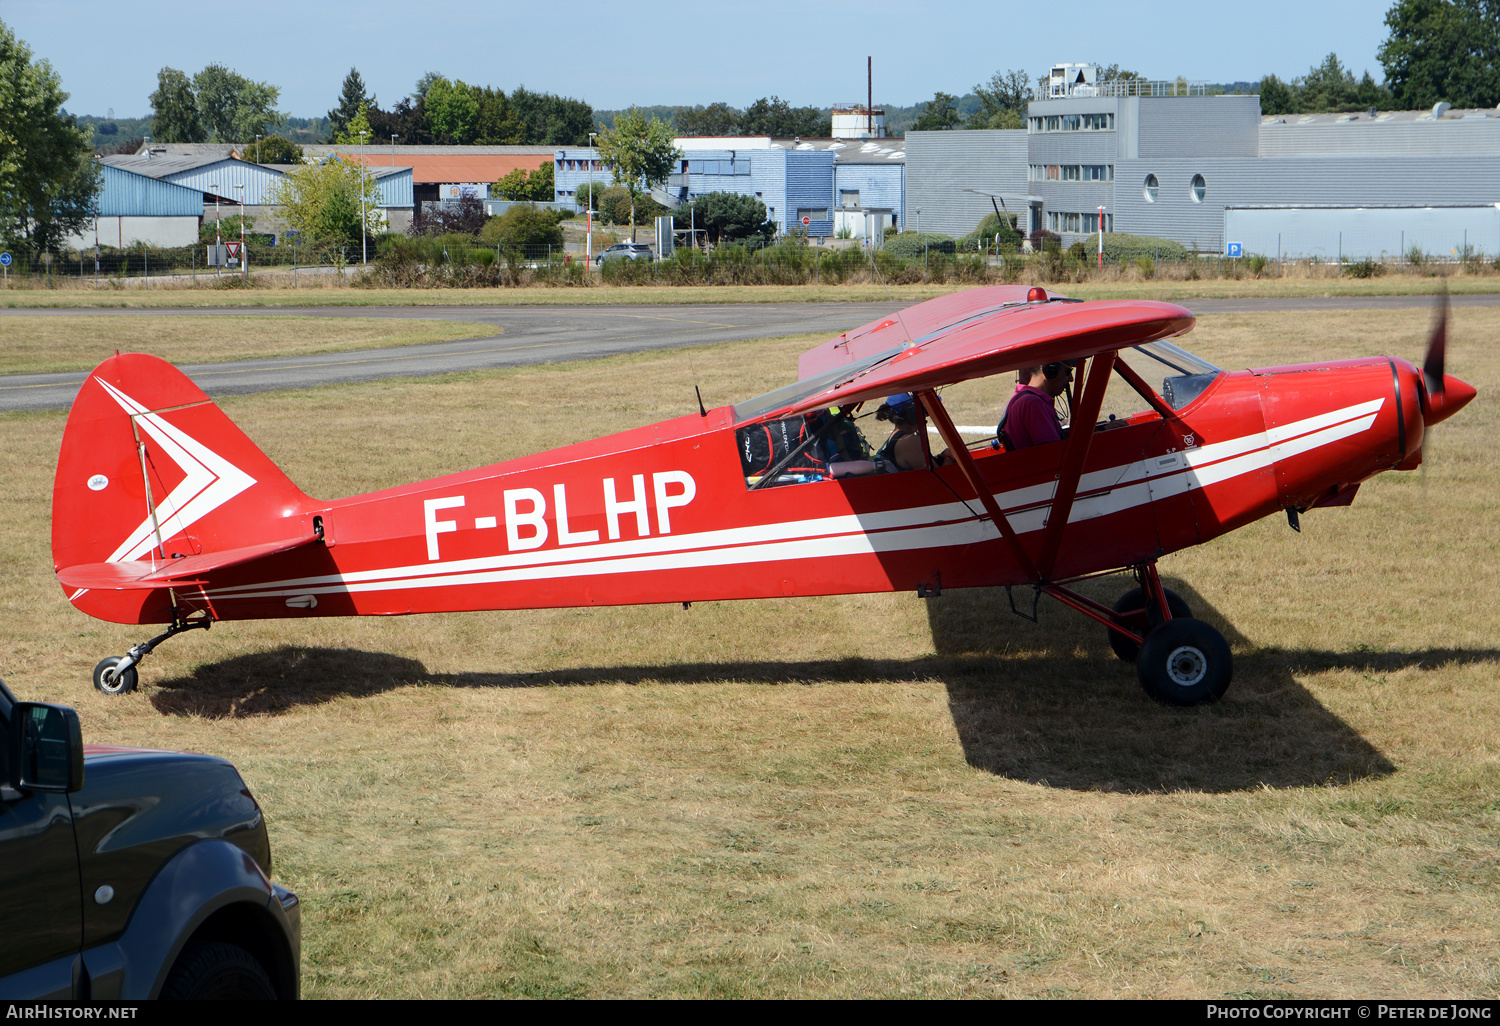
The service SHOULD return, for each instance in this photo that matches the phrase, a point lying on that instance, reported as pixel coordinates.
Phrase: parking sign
(1236, 249)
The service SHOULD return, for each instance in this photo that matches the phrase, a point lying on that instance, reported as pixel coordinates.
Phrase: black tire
(1134, 600)
(120, 684)
(217, 971)
(1185, 662)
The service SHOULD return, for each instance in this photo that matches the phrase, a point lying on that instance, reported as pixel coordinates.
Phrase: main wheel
(216, 971)
(111, 683)
(1185, 662)
(1134, 601)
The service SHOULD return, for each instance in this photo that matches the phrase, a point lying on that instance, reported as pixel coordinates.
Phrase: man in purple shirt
(1031, 418)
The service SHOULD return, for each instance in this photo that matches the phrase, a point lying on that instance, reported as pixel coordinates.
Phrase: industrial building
(821, 187)
(1210, 172)
(133, 208)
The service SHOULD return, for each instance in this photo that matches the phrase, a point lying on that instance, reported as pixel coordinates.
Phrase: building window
(1098, 172)
(817, 214)
(1199, 189)
(1054, 172)
(1071, 173)
(1152, 188)
(848, 197)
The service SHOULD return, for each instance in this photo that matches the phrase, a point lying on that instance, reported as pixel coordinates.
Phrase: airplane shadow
(1042, 703)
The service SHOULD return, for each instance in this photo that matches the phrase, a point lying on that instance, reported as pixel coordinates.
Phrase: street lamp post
(1101, 240)
(394, 137)
(588, 244)
(244, 257)
(218, 234)
(364, 237)
(258, 138)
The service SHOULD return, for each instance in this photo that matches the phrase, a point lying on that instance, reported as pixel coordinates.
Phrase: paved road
(543, 334)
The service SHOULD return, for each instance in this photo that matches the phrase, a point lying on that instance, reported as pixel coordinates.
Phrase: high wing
(987, 334)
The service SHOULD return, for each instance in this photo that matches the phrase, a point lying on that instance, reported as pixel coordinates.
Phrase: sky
(612, 55)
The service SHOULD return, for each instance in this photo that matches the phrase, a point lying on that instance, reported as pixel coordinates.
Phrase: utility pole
(244, 257)
(588, 243)
(218, 234)
(364, 236)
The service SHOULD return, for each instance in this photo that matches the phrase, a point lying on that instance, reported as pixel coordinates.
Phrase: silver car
(626, 251)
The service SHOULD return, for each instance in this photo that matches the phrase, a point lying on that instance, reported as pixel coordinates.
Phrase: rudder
(152, 469)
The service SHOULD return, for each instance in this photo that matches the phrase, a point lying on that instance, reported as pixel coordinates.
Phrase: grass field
(860, 796)
(31, 345)
(330, 295)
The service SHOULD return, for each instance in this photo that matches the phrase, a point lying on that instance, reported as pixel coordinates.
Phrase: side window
(798, 450)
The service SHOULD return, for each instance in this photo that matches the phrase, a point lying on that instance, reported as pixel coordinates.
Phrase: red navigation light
(1036, 295)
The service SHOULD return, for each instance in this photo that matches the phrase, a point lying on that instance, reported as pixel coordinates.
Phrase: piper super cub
(165, 513)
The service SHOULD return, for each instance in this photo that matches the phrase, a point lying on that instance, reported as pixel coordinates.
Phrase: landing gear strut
(117, 675)
(1178, 660)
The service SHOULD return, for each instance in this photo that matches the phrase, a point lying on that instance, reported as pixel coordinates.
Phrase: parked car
(127, 873)
(626, 251)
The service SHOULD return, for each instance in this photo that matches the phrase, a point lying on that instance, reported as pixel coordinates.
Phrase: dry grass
(332, 294)
(31, 345)
(854, 796)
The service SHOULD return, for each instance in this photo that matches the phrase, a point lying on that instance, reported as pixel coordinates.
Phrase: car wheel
(116, 684)
(1133, 601)
(217, 971)
(1185, 662)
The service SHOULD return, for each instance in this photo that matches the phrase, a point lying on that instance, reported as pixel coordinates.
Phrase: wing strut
(960, 453)
(1080, 437)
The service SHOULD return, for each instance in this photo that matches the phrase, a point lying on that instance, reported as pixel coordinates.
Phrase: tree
(232, 107)
(322, 201)
(275, 150)
(356, 131)
(640, 153)
(174, 108)
(1002, 104)
(938, 114)
(452, 111)
(48, 177)
(728, 216)
(548, 120)
(352, 101)
(463, 216)
(537, 186)
(408, 119)
(773, 116)
(495, 123)
(715, 119)
(1276, 97)
(1442, 50)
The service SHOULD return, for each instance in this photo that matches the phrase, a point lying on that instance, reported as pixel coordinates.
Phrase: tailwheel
(1185, 662)
(113, 681)
(1143, 617)
(117, 675)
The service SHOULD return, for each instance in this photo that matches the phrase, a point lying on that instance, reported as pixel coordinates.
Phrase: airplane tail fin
(152, 472)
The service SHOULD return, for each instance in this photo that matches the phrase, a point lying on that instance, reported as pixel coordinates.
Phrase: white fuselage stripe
(946, 524)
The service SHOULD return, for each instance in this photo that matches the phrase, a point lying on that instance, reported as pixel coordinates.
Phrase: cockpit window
(1186, 376)
(786, 395)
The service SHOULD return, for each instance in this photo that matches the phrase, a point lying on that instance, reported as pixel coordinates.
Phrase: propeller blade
(1437, 346)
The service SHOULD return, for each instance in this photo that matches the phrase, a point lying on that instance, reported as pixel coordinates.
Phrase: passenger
(903, 450)
(1030, 417)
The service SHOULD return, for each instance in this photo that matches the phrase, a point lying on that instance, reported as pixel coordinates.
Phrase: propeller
(1442, 395)
(1437, 346)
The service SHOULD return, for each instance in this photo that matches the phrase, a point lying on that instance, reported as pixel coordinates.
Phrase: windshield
(1183, 376)
(799, 390)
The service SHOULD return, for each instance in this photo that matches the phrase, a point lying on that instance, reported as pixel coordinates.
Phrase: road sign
(4, 259)
(233, 248)
(806, 221)
(1236, 249)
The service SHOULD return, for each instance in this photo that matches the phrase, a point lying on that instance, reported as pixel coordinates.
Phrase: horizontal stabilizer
(141, 575)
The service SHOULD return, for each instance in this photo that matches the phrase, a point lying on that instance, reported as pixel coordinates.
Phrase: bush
(1369, 267)
(984, 235)
(1042, 238)
(523, 225)
(910, 244)
(1119, 246)
(1255, 263)
(1146, 266)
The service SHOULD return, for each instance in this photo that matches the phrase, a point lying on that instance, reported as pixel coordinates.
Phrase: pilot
(1030, 417)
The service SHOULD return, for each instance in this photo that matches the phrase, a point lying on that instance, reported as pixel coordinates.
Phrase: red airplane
(164, 512)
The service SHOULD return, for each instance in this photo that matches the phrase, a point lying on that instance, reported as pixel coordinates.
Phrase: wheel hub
(1187, 666)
